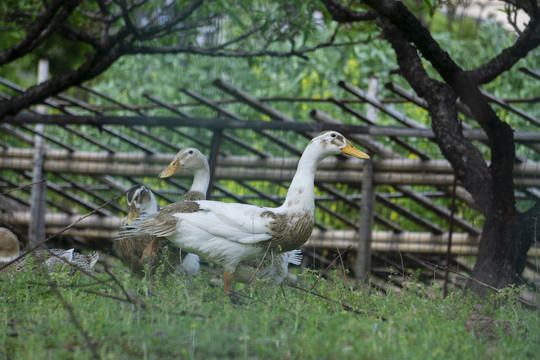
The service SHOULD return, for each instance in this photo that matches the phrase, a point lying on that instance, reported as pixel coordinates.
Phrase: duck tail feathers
(94, 259)
(146, 224)
(294, 257)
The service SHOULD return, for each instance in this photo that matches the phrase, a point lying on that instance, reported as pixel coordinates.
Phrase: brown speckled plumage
(85, 261)
(165, 220)
(50, 258)
(193, 196)
(130, 249)
(39, 258)
(274, 266)
(289, 231)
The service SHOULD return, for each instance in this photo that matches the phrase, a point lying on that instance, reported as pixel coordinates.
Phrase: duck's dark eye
(190, 151)
(333, 134)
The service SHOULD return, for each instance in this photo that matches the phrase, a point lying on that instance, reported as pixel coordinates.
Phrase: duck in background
(229, 233)
(193, 160)
(9, 251)
(141, 201)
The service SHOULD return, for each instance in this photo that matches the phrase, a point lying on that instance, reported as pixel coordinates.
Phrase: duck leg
(150, 251)
(227, 282)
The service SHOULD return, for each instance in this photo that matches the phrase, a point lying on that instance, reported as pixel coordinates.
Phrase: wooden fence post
(212, 162)
(36, 228)
(363, 255)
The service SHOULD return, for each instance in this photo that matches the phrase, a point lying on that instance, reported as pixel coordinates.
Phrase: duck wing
(242, 223)
(165, 222)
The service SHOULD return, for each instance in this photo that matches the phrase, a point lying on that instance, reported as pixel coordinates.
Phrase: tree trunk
(493, 266)
(500, 255)
(503, 250)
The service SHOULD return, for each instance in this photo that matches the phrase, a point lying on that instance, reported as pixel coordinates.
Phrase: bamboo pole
(363, 254)
(62, 220)
(377, 103)
(363, 258)
(251, 101)
(258, 126)
(36, 228)
(212, 162)
(62, 109)
(393, 237)
(504, 105)
(410, 96)
(437, 209)
(450, 232)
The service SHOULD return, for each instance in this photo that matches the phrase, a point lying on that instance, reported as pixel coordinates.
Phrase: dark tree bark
(505, 239)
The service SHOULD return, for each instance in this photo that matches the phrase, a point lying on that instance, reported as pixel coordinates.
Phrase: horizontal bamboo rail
(228, 123)
(11, 155)
(61, 220)
(344, 176)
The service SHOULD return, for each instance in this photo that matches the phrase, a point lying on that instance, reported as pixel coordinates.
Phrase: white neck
(201, 180)
(302, 189)
(150, 207)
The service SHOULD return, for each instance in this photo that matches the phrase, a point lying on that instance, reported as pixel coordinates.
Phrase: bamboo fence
(84, 180)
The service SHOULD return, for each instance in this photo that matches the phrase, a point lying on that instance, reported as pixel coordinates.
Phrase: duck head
(187, 158)
(140, 199)
(333, 143)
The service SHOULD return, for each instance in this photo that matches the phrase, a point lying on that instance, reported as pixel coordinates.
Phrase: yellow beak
(351, 150)
(171, 169)
(132, 214)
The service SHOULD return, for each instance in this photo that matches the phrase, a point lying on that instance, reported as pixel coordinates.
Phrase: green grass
(172, 319)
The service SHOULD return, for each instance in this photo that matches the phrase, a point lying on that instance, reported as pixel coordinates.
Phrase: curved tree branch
(76, 35)
(45, 26)
(94, 66)
(499, 133)
(342, 14)
(529, 6)
(529, 40)
(441, 98)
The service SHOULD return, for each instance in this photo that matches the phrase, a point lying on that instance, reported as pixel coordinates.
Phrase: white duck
(193, 160)
(272, 267)
(228, 233)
